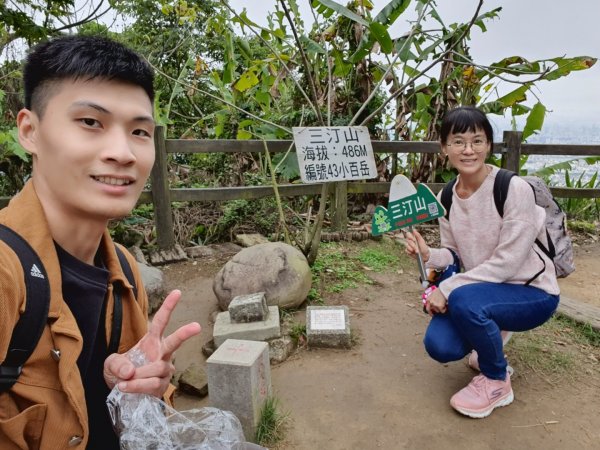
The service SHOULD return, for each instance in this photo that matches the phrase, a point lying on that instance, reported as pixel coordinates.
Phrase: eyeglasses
(460, 145)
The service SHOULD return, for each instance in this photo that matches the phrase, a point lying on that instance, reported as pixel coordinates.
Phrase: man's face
(92, 149)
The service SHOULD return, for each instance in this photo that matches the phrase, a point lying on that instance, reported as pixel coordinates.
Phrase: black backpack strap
(446, 197)
(127, 269)
(117, 319)
(31, 323)
(501, 184)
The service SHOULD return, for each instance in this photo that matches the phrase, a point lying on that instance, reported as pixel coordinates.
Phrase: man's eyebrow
(92, 105)
(103, 110)
(148, 119)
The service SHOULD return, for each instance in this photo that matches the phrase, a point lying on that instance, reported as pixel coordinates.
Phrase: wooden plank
(242, 192)
(562, 192)
(560, 149)
(254, 192)
(580, 312)
(278, 146)
(224, 146)
(163, 214)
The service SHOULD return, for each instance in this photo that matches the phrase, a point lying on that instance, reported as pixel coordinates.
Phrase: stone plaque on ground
(328, 326)
(253, 331)
(239, 380)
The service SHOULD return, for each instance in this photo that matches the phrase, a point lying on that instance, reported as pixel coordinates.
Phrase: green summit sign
(407, 211)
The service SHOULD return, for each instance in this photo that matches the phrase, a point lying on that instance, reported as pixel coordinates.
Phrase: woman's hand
(415, 243)
(436, 303)
(151, 370)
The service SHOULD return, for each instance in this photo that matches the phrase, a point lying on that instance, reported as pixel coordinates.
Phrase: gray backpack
(560, 247)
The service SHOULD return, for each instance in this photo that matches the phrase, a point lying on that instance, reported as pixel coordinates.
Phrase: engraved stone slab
(328, 326)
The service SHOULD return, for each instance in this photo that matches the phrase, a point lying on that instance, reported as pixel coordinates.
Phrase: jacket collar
(25, 215)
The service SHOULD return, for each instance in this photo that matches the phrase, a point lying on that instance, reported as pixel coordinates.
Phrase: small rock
(248, 240)
(280, 349)
(194, 381)
(154, 283)
(249, 308)
(200, 251)
(159, 257)
(208, 348)
(138, 254)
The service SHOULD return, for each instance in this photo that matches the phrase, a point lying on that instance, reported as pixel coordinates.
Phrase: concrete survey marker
(262, 330)
(328, 326)
(239, 380)
(248, 308)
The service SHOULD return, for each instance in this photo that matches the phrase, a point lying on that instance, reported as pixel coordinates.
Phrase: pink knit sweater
(492, 248)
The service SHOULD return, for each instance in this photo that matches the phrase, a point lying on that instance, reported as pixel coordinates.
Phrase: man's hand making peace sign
(154, 375)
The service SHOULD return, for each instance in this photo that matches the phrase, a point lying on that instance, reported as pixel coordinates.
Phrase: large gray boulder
(277, 269)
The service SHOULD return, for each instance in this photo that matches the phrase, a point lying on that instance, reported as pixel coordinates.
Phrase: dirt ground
(387, 393)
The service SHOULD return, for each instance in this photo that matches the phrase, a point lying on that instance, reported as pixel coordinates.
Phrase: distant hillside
(555, 132)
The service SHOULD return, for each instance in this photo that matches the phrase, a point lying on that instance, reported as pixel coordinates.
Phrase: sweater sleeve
(521, 224)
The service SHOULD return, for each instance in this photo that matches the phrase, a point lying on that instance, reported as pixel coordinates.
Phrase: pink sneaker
(474, 359)
(479, 398)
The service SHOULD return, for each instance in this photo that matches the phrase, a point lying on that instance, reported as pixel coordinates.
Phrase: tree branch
(270, 47)
(219, 99)
(433, 63)
(311, 80)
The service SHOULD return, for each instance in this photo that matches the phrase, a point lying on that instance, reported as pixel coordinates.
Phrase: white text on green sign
(407, 211)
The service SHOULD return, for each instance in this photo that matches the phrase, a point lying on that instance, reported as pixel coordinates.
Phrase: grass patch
(560, 348)
(297, 332)
(582, 226)
(272, 425)
(378, 259)
(583, 333)
(334, 271)
(341, 265)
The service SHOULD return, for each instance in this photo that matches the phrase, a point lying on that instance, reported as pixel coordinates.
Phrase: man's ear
(27, 125)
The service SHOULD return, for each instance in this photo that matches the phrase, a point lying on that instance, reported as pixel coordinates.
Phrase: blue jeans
(476, 314)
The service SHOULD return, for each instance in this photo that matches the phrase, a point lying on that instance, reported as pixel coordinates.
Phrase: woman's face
(467, 151)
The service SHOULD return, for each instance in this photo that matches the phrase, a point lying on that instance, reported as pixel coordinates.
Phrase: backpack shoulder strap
(30, 326)
(446, 197)
(501, 184)
(117, 319)
(127, 269)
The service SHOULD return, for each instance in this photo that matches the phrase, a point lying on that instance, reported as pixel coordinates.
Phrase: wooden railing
(162, 196)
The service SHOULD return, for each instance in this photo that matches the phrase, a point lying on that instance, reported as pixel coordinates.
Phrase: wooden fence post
(340, 206)
(161, 197)
(512, 146)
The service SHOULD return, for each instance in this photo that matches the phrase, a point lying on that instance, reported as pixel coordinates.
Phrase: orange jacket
(46, 408)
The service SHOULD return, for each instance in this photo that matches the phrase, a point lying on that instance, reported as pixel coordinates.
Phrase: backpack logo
(36, 272)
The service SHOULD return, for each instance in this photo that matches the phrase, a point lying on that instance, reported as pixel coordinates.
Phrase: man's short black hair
(463, 119)
(81, 58)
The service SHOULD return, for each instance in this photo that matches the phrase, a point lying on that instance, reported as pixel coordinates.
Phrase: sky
(533, 29)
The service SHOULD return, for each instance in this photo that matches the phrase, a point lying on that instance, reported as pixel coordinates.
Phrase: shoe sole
(507, 400)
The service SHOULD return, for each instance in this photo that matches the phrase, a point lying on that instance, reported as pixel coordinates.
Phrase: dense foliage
(222, 75)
